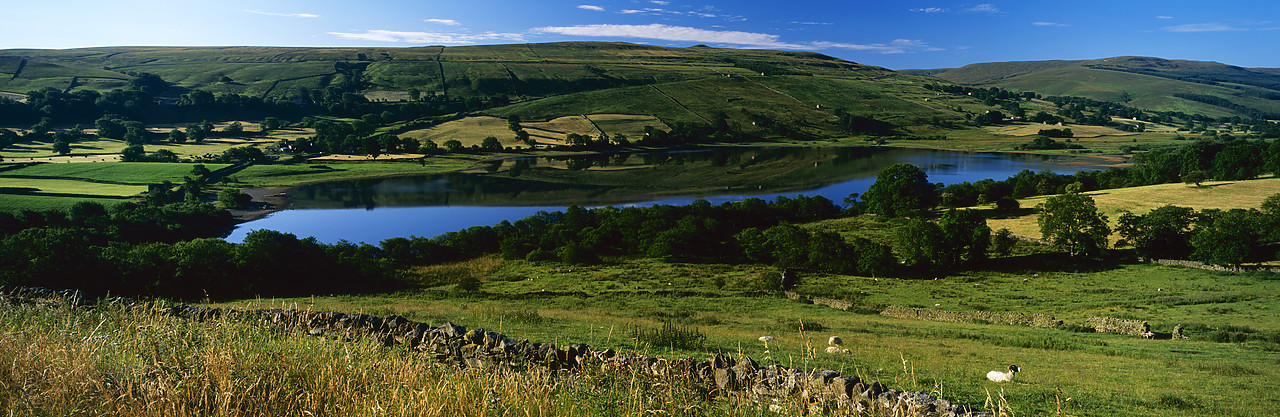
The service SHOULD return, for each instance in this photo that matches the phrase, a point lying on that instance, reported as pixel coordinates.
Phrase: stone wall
(1121, 326)
(1034, 320)
(825, 389)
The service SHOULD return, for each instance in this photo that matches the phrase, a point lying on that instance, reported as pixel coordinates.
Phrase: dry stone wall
(743, 377)
(1121, 326)
(1033, 320)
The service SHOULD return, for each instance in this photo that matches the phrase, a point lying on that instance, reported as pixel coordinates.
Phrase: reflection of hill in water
(628, 178)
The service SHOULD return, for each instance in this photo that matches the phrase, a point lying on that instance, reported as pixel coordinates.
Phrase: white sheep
(835, 341)
(997, 376)
(767, 339)
(835, 350)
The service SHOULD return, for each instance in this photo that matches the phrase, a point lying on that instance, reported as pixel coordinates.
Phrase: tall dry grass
(118, 362)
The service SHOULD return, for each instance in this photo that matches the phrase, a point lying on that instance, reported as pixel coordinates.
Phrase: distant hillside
(1208, 88)
(796, 93)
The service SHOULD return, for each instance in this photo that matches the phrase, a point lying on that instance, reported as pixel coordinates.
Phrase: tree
(176, 136)
(135, 135)
(269, 123)
(1004, 242)
(965, 237)
(233, 129)
(1163, 233)
(1231, 238)
(491, 144)
(1195, 177)
(452, 145)
(1073, 222)
(232, 198)
(109, 128)
(414, 94)
(920, 242)
(902, 190)
(133, 153)
(61, 148)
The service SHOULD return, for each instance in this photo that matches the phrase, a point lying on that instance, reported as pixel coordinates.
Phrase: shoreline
(269, 200)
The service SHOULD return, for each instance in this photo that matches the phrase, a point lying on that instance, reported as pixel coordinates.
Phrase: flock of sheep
(835, 343)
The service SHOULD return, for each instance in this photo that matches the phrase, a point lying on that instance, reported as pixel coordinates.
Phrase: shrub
(672, 336)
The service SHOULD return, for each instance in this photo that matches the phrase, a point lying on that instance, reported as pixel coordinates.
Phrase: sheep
(835, 350)
(997, 376)
(767, 339)
(1149, 335)
(835, 341)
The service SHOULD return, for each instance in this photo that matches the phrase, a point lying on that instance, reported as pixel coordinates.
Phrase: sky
(889, 33)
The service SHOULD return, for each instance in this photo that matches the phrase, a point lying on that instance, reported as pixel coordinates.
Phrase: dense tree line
(1215, 159)
(1229, 238)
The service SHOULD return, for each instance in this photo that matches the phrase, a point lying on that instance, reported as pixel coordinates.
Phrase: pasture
(1138, 200)
(1103, 374)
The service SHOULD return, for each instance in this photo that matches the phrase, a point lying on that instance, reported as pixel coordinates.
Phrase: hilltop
(1154, 84)
(797, 93)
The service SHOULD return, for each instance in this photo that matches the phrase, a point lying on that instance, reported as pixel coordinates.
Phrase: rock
(725, 379)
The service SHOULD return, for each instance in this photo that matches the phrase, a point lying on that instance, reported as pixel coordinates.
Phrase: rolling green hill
(1208, 88)
(802, 91)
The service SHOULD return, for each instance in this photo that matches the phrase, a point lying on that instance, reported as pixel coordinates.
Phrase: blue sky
(892, 34)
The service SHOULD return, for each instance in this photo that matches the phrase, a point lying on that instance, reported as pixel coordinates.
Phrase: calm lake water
(372, 210)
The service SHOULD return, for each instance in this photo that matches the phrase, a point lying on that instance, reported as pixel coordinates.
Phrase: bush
(672, 336)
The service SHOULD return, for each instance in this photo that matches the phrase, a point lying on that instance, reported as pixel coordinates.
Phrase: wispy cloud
(655, 11)
(449, 22)
(811, 23)
(1050, 24)
(429, 37)
(590, 7)
(726, 37)
(1202, 27)
(304, 15)
(984, 8)
(898, 46)
(930, 10)
(1164, 17)
(660, 2)
(672, 33)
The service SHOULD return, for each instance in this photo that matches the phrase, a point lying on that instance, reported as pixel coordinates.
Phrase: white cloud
(930, 10)
(429, 37)
(736, 38)
(898, 46)
(630, 11)
(449, 22)
(590, 7)
(1164, 17)
(984, 8)
(1202, 27)
(305, 15)
(660, 2)
(673, 33)
(1049, 24)
(811, 23)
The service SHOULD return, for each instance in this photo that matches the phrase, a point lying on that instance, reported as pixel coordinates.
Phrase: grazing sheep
(767, 339)
(835, 340)
(1149, 335)
(997, 376)
(834, 350)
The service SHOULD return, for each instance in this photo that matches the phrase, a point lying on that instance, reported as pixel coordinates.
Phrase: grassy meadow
(1138, 200)
(1103, 374)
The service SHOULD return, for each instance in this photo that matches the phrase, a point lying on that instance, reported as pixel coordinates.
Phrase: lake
(376, 209)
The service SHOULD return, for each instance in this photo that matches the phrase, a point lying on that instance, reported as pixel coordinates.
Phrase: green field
(1211, 194)
(1104, 374)
(125, 172)
(288, 175)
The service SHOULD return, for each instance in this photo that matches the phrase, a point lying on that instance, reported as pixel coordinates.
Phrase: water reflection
(372, 210)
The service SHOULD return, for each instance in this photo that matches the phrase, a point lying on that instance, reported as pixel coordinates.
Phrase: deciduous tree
(1072, 221)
